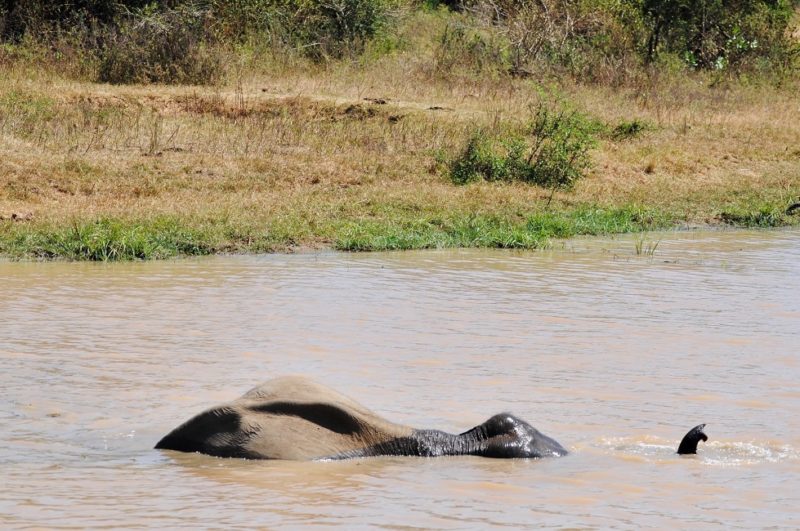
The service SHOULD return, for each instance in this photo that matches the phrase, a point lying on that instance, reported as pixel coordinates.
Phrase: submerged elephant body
(298, 419)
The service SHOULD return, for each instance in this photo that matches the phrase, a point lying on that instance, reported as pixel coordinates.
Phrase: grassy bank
(358, 155)
(167, 236)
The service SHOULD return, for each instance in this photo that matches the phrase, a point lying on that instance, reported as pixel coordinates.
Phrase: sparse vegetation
(273, 146)
(644, 247)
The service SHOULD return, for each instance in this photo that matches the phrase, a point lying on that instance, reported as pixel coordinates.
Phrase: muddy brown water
(613, 354)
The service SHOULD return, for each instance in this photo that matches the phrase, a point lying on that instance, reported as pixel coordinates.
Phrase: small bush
(553, 151)
(559, 147)
(482, 159)
(629, 129)
(340, 27)
(161, 46)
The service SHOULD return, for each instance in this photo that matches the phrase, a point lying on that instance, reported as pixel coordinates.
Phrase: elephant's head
(507, 436)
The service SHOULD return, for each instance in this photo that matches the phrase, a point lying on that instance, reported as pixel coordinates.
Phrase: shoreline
(646, 242)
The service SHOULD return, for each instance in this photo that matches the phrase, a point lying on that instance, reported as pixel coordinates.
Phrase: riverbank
(355, 157)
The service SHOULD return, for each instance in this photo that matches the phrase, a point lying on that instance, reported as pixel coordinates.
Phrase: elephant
(296, 418)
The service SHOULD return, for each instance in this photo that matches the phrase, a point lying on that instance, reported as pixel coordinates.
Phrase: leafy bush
(481, 158)
(553, 151)
(18, 17)
(629, 129)
(595, 39)
(558, 147)
(320, 28)
(161, 46)
(607, 40)
(461, 48)
(717, 33)
(176, 38)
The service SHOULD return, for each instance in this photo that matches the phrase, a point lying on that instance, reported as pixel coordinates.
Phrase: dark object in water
(689, 443)
(296, 418)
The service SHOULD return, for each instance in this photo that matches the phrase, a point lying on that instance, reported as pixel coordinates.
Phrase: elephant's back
(301, 390)
(286, 418)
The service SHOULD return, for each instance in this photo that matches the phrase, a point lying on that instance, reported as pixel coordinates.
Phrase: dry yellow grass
(305, 157)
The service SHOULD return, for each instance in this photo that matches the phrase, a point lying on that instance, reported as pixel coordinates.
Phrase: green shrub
(553, 151)
(559, 147)
(20, 17)
(608, 40)
(717, 34)
(161, 46)
(320, 29)
(590, 39)
(483, 159)
(629, 129)
(340, 27)
(461, 48)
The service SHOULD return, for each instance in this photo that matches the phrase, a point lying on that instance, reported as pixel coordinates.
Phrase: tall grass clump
(108, 240)
(551, 151)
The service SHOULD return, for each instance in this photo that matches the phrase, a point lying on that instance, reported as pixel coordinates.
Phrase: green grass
(119, 239)
(532, 231)
(105, 240)
(763, 217)
(463, 231)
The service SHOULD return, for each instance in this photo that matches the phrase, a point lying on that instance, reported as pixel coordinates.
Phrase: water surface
(613, 354)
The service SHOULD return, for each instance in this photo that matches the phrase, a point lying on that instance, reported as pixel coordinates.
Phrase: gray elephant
(296, 418)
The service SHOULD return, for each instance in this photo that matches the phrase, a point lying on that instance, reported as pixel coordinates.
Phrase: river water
(614, 354)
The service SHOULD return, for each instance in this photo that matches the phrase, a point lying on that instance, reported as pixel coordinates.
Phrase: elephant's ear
(217, 431)
(499, 424)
